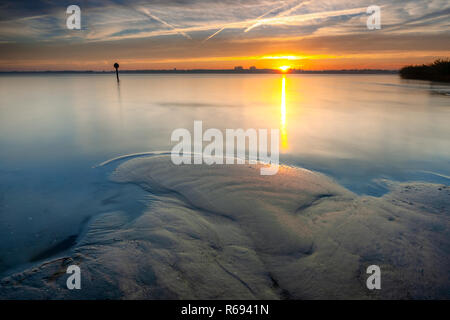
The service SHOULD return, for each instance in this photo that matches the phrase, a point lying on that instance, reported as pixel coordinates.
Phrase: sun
(284, 68)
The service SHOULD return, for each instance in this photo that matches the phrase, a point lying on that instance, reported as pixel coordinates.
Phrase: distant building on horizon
(238, 68)
(252, 68)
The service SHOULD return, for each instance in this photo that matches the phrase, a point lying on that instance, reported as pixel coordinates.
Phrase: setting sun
(284, 68)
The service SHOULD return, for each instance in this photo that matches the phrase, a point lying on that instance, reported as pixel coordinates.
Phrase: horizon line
(200, 70)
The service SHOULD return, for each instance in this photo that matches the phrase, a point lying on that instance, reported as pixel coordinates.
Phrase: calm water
(54, 128)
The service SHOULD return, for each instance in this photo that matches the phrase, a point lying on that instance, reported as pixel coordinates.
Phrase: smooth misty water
(54, 128)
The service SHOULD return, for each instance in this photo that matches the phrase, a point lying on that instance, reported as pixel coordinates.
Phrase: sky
(189, 34)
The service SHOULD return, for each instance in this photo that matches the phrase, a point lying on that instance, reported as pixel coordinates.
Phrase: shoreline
(211, 71)
(287, 237)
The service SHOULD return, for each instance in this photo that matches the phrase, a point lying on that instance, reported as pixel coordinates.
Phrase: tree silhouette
(439, 70)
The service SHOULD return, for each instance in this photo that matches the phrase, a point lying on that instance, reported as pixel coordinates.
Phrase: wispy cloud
(181, 31)
(292, 20)
(176, 30)
(252, 26)
(281, 14)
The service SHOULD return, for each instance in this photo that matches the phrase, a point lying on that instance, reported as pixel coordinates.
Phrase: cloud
(150, 15)
(211, 26)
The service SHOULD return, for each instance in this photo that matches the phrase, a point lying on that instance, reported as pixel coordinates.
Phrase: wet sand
(223, 232)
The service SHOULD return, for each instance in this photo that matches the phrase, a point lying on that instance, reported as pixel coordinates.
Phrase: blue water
(55, 128)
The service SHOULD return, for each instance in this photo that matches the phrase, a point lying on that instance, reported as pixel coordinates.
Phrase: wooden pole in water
(116, 65)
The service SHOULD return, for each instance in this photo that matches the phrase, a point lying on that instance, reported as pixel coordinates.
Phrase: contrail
(213, 34)
(261, 16)
(285, 20)
(289, 11)
(150, 15)
(281, 14)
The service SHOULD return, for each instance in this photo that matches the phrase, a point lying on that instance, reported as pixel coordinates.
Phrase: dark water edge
(57, 248)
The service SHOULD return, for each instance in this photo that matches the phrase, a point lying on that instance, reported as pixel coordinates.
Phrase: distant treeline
(436, 71)
(213, 71)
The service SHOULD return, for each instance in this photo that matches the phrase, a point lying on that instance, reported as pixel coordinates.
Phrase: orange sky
(311, 35)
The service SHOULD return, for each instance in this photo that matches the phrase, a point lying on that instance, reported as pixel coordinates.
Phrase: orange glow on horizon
(282, 62)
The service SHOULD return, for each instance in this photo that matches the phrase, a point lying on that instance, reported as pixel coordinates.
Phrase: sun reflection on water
(284, 140)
